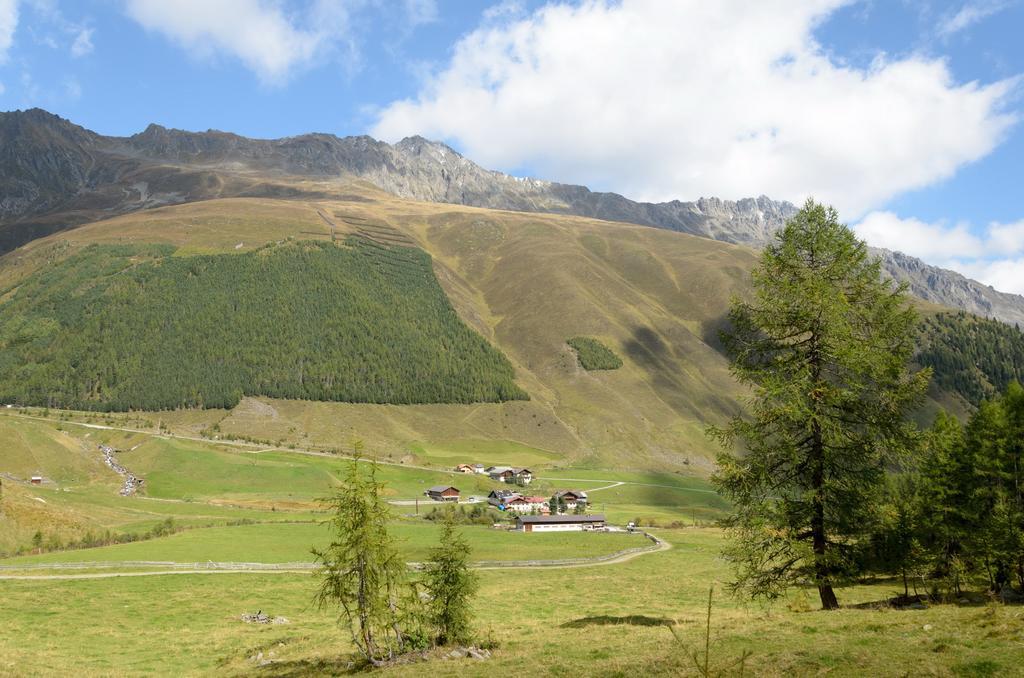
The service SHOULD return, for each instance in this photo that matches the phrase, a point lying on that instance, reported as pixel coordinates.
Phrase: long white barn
(559, 523)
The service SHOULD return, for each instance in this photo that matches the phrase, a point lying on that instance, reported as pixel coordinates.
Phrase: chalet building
(571, 498)
(37, 480)
(517, 504)
(503, 474)
(560, 523)
(464, 468)
(443, 493)
(522, 476)
(539, 504)
(479, 468)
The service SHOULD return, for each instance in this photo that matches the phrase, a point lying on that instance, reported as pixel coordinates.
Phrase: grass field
(604, 620)
(486, 452)
(601, 621)
(291, 543)
(648, 498)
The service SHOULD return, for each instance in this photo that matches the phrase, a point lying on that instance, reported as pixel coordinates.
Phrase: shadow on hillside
(606, 620)
(712, 333)
(647, 350)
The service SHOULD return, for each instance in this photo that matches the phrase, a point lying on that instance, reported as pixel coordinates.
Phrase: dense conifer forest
(132, 327)
(593, 355)
(975, 357)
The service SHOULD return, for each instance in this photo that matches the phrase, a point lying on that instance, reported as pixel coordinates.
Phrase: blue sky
(902, 113)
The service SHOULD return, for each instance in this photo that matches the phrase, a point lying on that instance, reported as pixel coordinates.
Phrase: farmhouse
(503, 474)
(464, 468)
(522, 476)
(570, 498)
(479, 468)
(37, 480)
(443, 493)
(517, 504)
(559, 523)
(520, 504)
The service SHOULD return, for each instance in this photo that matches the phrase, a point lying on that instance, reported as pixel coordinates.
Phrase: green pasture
(597, 621)
(291, 542)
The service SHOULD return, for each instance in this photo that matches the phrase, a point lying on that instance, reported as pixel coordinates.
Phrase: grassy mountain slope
(525, 282)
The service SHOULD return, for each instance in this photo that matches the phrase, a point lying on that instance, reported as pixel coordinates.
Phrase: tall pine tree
(824, 345)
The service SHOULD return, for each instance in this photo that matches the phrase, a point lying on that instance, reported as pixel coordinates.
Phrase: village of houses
(565, 510)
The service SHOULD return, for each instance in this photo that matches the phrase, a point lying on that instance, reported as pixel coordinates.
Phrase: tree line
(135, 328)
(977, 358)
(953, 513)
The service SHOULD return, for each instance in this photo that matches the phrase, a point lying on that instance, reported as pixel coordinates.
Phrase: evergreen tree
(451, 584)
(1013, 406)
(894, 544)
(990, 479)
(360, 571)
(825, 346)
(943, 495)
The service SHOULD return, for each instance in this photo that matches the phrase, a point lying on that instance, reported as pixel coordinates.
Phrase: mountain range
(55, 175)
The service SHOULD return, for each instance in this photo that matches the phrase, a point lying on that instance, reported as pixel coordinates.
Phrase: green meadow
(291, 543)
(602, 621)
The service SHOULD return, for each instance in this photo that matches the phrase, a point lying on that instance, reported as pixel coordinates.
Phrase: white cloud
(932, 242)
(994, 255)
(662, 100)
(970, 14)
(8, 22)
(1005, 275)
(82, 44)
(259, 33)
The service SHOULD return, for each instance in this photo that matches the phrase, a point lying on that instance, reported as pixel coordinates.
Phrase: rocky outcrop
(948, 288)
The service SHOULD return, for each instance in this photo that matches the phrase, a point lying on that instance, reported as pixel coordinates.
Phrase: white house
(520, 504)
(522, 476)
